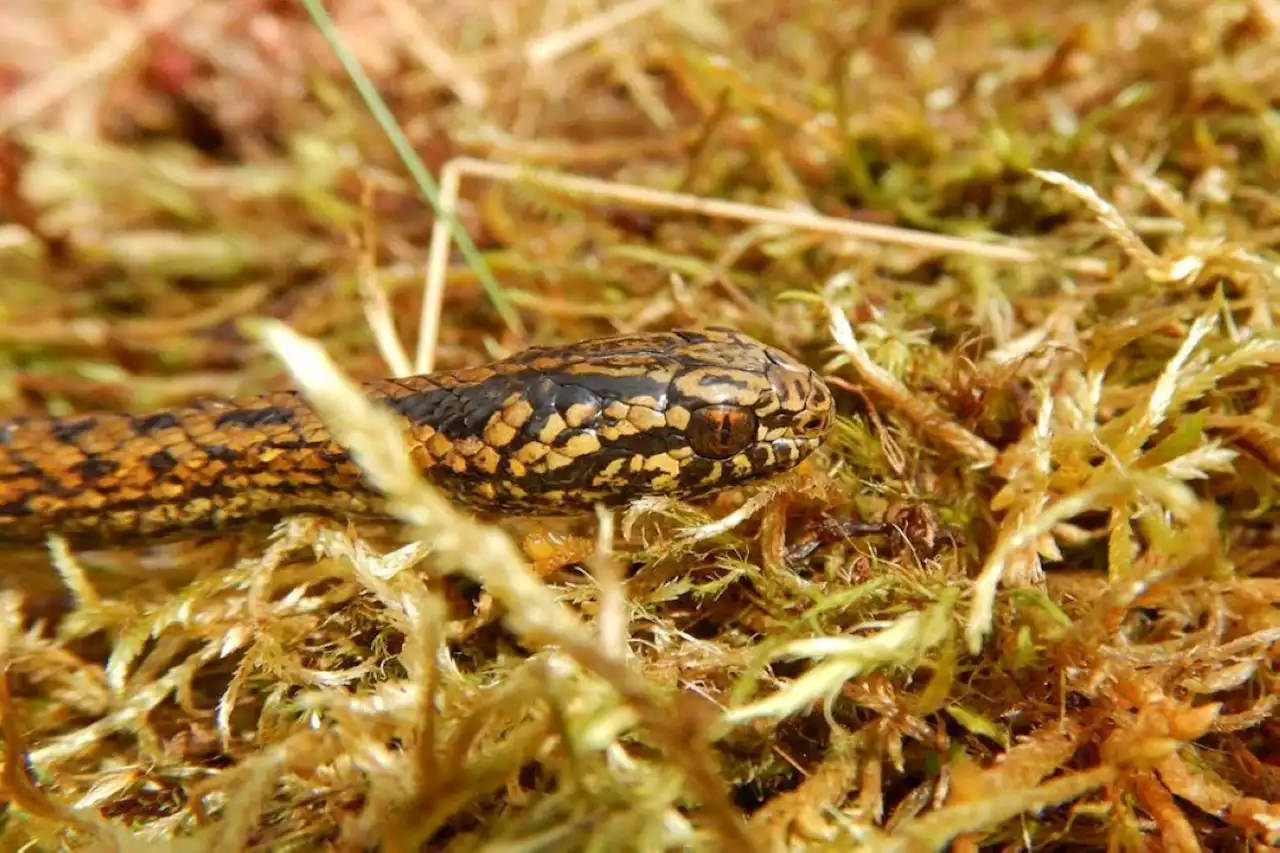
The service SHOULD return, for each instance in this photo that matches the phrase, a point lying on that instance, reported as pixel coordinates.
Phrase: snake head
(753, 410)
(609, 420)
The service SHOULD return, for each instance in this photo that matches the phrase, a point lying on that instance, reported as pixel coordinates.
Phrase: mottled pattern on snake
(548, 431)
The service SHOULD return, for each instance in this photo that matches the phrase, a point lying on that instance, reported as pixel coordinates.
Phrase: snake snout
(804, 397)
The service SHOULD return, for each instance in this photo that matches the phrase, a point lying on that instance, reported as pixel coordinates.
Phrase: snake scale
(547, 431)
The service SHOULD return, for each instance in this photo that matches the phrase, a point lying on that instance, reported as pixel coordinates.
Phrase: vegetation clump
(1026, 598)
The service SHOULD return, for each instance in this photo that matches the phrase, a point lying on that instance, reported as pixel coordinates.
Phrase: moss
(1026, 596)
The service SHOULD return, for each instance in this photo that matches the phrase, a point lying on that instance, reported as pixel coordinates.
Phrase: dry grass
(1031, 246)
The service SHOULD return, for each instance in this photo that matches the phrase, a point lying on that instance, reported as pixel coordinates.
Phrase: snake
(548, 431)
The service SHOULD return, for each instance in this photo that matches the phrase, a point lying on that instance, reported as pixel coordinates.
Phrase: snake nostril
(815, 422)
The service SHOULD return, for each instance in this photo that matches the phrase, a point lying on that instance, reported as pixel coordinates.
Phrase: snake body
(547, 431)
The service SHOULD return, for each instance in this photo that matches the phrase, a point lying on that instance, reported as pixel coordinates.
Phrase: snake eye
(718, 432)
